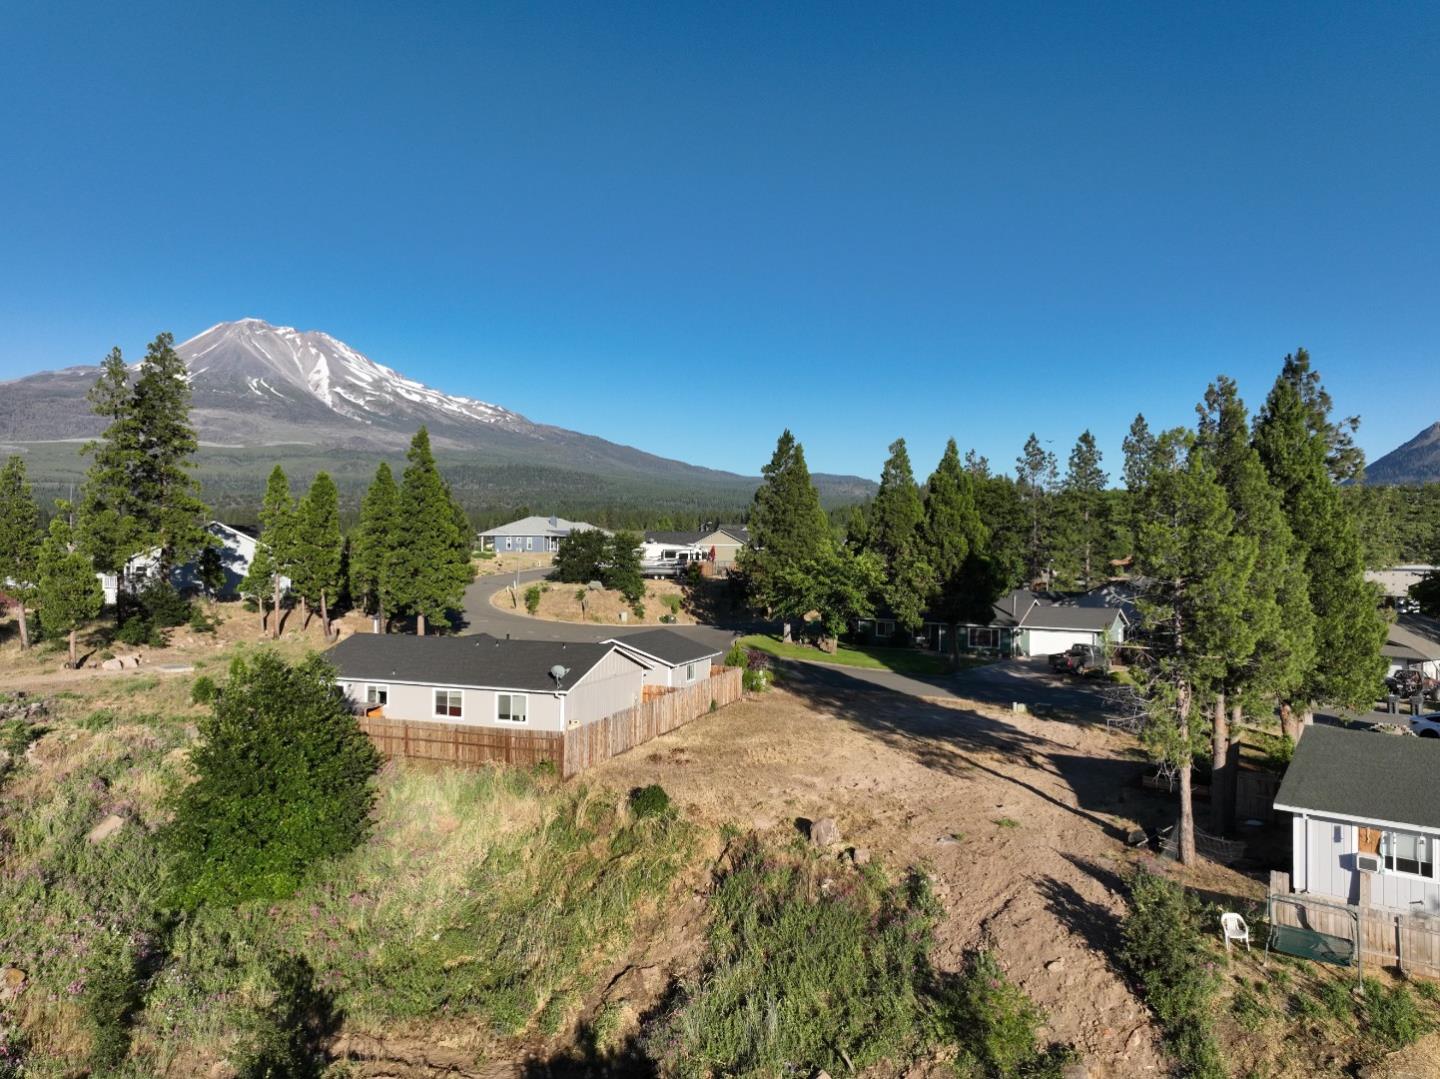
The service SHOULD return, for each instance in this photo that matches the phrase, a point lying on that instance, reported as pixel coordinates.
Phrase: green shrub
(111, 998)
(17, 734)
(532, 598)
(283, 782)
(671, 602)
(651, 801)
(163, 605)
(200, 622)
(137, 631)
(996, 1026)
(1392, 1018)
(801, 974)
(638, 610)
(1165, 950)
(736, 655)
(1337, 1000)
(204, 690)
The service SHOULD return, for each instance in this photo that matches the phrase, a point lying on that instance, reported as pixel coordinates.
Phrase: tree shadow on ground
(586, 1060)
(1093, 922)
(959, 741)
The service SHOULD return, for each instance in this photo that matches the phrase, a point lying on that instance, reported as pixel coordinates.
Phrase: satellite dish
(558, 672)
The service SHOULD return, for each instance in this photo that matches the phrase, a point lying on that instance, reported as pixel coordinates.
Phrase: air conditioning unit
(1367, 863)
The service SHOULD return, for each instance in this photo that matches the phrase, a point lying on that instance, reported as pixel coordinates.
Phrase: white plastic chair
(1233, 927)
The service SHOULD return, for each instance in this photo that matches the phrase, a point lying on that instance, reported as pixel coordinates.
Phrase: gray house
(1363, 804)
(531, 534)
(670, 659)
(482, 681)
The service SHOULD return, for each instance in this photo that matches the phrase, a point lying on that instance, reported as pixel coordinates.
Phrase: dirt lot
(558, 603)
(511, 562)
(1017, 818)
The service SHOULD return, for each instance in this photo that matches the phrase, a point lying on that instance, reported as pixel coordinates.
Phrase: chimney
(554, 521)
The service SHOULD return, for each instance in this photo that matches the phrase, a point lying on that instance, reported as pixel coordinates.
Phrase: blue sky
(685, 227)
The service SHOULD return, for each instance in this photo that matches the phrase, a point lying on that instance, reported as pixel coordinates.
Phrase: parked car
(1080, 659)
(1407, 682)
(1427, 725)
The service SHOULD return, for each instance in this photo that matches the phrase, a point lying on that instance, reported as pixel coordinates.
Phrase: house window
(689, 672)
(447, 703)
(377, 696)
(512, 707)
(1406, 852)
(984, 637)
(884, 628)
(529, 543)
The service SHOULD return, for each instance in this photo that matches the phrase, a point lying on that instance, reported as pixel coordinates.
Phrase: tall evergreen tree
(430, 565)
(955, 537)
(1036, 471)
(1267, 660)
(1003, 513)
(277, 538)
(318, 546)
(1083, 501)
(20, 539)
(1304, 452)
(69, 592)
(895, 537)
(175, 517)
(787, 526)
(373, 545)
(112, 519)
(1197, 568)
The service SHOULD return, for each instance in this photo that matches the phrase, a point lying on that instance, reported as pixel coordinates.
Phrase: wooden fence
(594, 742)
(1255, 792)
(1410, 941)
(572, 752)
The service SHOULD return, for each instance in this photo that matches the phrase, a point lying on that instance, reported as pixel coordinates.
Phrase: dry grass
(559, 603)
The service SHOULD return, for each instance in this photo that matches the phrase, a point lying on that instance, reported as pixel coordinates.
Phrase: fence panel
(1255, 794)
(1408, 940)
(451, 743)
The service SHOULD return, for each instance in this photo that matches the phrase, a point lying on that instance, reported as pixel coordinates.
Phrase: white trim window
(449, 704)
(512, 708)
(529, 543)
(1408, 854)
(377, 696)
(689, 672)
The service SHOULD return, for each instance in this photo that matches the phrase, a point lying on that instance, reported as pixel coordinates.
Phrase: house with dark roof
(670, 659)
(482, 681)
(1026, 623)
(1363, 804)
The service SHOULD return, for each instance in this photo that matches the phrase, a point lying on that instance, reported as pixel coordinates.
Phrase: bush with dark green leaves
(204, 690)
(137, 631)
(532, 598)
(1165, 948)
(282, 784)
(163, 605)
(997, 1026)
(651, 801)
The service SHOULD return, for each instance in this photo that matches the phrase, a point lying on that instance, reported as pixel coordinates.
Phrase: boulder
(824, 832)
(860, 856)
(113, 664)
(106, 828)
(594, 586)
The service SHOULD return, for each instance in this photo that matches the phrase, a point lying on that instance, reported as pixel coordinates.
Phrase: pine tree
(277, 537)
(259, 581)
(69, 592)
(176, 517)
(1083, 501)
(1303, 452)
(112, 518)
(1036, 470)
(1197, 569)
(373, 545)
(894, 536)
(954, 535)
(622, 566)
(1266, 661)
(787, 526)
(318, 546)
(430, 565)
(20, 539)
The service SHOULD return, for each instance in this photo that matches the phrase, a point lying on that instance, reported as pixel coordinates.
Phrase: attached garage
(1046, 629)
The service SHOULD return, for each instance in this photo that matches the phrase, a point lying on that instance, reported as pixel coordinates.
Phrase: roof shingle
(1375, 777)
(481, 660)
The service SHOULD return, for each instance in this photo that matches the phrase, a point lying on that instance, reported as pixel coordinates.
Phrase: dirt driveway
(1019, 819)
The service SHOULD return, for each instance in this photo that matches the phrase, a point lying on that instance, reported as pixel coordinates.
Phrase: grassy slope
(899, 660)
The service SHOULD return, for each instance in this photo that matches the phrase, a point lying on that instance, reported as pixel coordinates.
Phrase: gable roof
(1024, 609)
(1380, 778)
(1413, 638)
(679, 539)
(538, 526)
(739, 533)
(666, 645)
(481, 660)
(1053, 616)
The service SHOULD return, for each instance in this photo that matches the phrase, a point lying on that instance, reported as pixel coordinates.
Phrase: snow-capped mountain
(280, 365)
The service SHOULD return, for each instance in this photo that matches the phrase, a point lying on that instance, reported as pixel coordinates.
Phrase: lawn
(874, 657)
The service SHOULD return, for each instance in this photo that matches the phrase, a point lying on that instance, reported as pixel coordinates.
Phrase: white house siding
(612, 685)
(1323, 856)
(417, 703)
(1042, 642)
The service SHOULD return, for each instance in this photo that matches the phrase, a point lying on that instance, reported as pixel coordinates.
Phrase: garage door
(1042, 642)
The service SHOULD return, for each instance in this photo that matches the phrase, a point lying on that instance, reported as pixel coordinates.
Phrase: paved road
(1002, 683)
